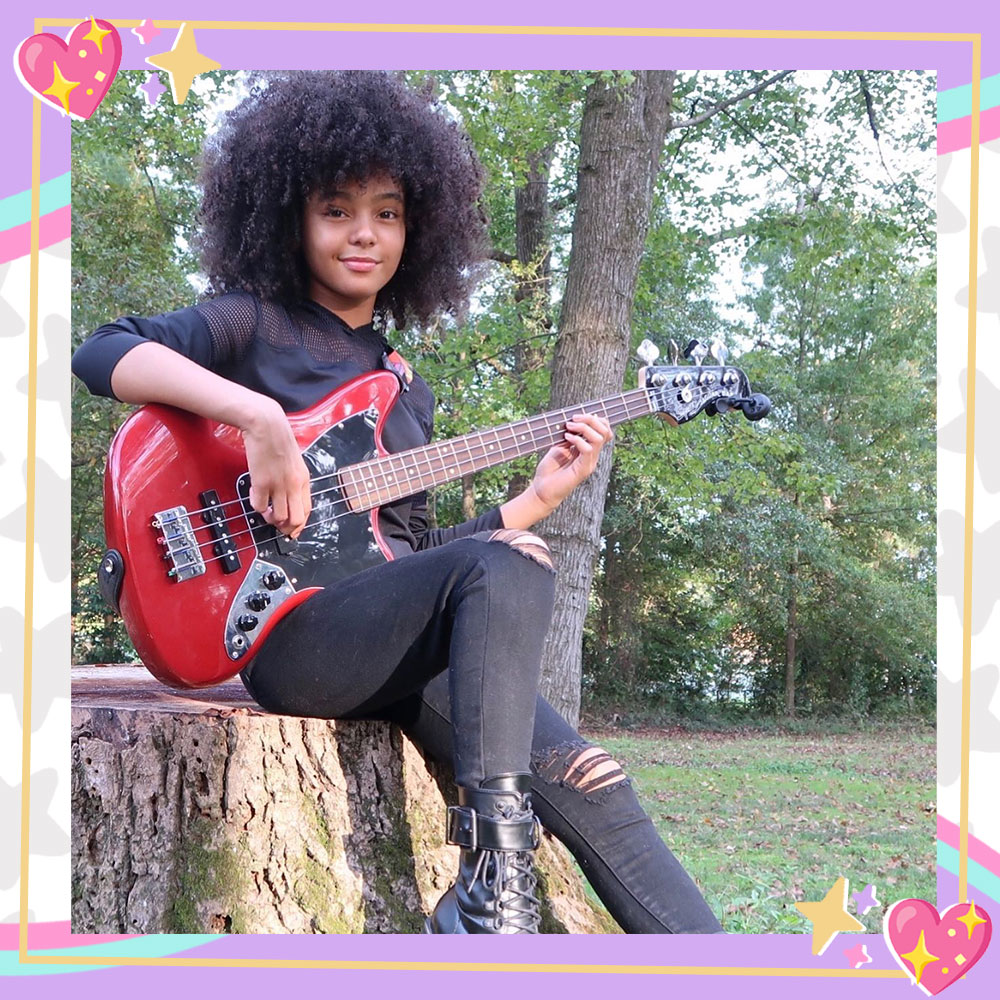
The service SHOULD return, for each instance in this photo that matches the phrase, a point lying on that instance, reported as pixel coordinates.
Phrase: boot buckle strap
(461, 827)
(468, 829)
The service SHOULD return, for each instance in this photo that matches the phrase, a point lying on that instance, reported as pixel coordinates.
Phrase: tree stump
(198, 812)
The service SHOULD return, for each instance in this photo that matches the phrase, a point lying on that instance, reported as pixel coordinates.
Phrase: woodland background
(718, 573)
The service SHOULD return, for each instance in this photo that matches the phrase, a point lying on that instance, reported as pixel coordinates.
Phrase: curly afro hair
(298, 133)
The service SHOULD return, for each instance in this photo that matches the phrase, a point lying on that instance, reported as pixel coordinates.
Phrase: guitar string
(633, 395)
(422, 455)
(622, 407)
(346, 503)
(636, 395)
(343, 503)
(626, 398)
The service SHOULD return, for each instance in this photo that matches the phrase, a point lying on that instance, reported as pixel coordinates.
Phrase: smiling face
(352, 243)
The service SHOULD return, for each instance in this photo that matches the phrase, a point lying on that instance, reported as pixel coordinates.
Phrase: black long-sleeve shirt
(296, 355)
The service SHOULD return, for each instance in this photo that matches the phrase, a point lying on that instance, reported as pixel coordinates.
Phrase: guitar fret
(543, 429)
(468, 448)
(355, 486)
(534, 443)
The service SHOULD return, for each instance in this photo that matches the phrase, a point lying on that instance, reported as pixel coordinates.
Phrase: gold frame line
(970, 472)
(25, 958)
(29, 536)
(530, 29)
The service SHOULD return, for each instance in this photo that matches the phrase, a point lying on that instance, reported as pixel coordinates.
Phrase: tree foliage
(134, 198)
(786, 565)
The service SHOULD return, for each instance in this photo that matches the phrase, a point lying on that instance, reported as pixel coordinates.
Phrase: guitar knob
(246, 623)
(273, 579)
(707, 378)
(258, 600)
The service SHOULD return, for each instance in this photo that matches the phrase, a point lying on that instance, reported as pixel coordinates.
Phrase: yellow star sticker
(970, 919)
(61, 88)
(919, 958)
(829, 916)
(96, 35)
(183, 63)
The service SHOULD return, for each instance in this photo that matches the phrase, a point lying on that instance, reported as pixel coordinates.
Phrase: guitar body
(205, 578)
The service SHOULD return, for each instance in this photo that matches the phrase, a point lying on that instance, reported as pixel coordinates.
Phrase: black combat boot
(495, 890)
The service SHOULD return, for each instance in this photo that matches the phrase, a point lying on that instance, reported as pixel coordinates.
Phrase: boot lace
(511, 879)
(515, 891)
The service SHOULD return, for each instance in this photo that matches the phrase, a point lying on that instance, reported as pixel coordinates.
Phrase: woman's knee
(526, 543)
(581, 767)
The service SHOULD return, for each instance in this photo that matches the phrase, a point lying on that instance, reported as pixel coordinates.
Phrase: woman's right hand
(279, 479)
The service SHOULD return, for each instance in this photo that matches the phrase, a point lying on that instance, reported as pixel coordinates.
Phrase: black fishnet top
(296, 355)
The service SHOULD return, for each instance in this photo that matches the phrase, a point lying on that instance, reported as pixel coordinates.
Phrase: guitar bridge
(182, 548)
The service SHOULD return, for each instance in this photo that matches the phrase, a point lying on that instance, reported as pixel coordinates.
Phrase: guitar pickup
(215, 517)
(182, 547)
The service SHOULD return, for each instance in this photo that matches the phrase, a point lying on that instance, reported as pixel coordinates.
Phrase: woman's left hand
(567, 464)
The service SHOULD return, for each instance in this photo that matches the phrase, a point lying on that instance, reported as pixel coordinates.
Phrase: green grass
(764, 820)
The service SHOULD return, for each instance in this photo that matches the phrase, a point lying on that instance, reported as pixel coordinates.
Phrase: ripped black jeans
(447, 643)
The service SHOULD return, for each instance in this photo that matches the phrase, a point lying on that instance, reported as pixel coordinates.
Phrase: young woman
(333, 203)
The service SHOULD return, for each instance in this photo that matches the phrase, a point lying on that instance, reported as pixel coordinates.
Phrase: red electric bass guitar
(200, 578)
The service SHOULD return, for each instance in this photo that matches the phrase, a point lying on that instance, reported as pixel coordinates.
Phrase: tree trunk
(532, 227)
(791, 633)
(469, 496)
(617, 641)
(622, 135)
(196, 812)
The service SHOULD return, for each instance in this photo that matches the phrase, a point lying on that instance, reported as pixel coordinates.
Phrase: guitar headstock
(678, 393)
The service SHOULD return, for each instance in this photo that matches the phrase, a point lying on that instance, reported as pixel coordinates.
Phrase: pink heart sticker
(934, 950)
(73, 75)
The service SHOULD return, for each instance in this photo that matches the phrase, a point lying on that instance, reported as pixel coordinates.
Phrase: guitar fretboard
(392, 477)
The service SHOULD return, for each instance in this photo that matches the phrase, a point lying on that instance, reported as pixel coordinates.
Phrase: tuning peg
(719, 351)
(648, 352)
(756, 407)
(695, 351)
(673, 352)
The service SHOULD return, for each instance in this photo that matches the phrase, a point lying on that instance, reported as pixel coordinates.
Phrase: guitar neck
(392, 477)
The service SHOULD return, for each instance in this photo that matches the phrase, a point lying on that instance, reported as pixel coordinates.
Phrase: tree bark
(791, 633)
(469, 496)
(196, 812)
(532, 229)
(622, 135)
(617, 644)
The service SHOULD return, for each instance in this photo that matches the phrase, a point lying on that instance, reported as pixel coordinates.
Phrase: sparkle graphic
(152, 88)
(865, 900)
(145, 31)
(919, 958)
(61, 88)
(857, 956)
(97, 36)
(829, 916)
(970, 919)
(183, 63)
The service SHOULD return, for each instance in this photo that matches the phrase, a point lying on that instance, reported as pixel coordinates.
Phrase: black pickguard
(335, 543)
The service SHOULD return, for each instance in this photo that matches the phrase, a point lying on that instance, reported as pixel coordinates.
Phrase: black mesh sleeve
(209, 334)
